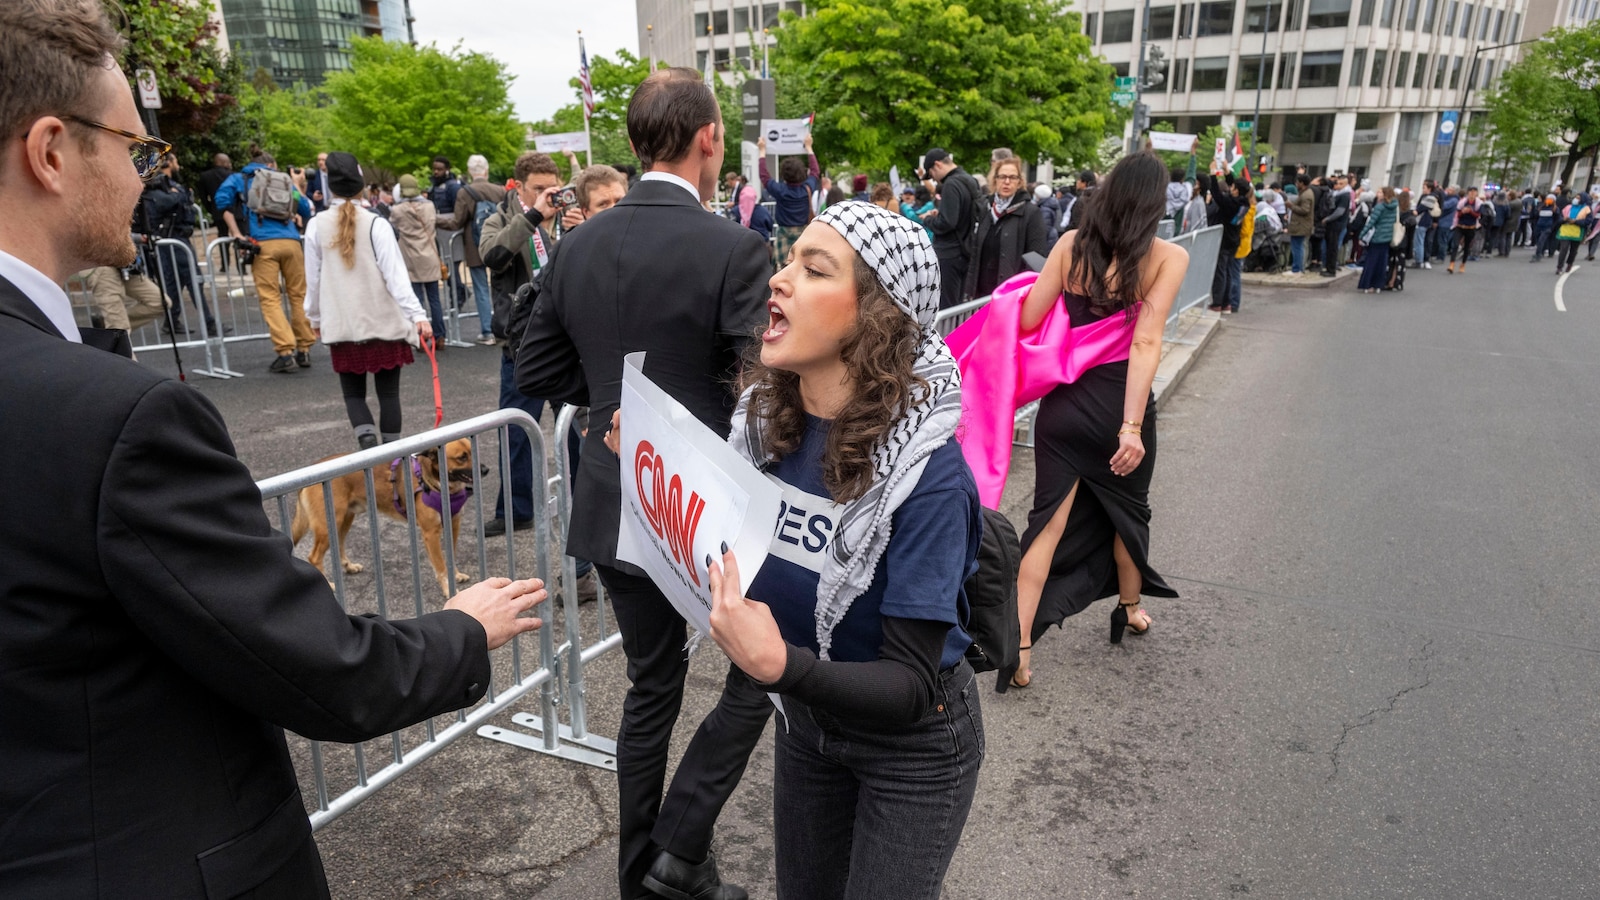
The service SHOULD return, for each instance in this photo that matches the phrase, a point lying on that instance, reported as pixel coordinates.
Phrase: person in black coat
(1009, 225)
(656, 273)
(156, 634)
(1227, 215)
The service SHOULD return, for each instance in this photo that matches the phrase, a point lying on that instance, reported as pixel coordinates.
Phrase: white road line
(1561, 283)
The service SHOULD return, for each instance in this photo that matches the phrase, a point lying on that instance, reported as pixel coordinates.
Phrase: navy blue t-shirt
(933, 549)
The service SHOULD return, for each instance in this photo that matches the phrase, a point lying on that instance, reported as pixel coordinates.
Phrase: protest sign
(786, 136)
(576, 141)
(685, 492)
(1162, 140)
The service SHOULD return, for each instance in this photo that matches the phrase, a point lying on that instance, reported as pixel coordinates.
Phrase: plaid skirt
(361, 357)
(784, 237)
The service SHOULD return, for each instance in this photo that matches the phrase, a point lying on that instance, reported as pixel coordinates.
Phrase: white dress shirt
(385, 246)
(45, 294)
(672, 179)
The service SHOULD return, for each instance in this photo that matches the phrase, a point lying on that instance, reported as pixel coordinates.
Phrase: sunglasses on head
(146, 151)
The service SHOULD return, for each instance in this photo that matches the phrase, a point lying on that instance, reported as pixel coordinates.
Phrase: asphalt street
(1379, 680)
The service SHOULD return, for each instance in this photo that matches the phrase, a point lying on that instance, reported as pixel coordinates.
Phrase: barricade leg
(180, 257)
(545, 733)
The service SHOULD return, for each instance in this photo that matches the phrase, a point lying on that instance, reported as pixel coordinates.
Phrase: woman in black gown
(1088, 535)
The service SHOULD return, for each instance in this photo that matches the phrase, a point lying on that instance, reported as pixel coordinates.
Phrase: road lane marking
(1561, 283)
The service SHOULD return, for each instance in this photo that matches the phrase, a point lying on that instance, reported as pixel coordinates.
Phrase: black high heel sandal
(1119, 622)
(1022, 684)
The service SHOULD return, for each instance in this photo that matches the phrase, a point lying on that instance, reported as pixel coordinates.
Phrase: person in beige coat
(415, 221)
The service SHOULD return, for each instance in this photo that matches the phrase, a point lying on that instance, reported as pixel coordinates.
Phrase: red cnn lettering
(661, 498)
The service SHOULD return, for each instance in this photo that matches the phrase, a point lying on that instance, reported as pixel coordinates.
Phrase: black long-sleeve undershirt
(895, 689)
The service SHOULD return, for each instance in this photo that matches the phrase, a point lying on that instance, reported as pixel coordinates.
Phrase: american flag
(583, 79)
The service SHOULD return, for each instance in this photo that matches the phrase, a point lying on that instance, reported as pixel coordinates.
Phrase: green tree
(608, 127)
(888, 79)
(177, 40)
(1511, 136)
(1557, 82)
(398, 106)
(294, 125)
(614, 84)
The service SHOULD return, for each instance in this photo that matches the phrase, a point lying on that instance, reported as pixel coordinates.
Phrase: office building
(1346, 85)
(727, 33)
(301, 41)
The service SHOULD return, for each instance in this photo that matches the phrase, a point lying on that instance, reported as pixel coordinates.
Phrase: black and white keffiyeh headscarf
(899, 253)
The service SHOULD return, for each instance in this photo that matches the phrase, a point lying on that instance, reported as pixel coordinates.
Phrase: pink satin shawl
(1003, 370)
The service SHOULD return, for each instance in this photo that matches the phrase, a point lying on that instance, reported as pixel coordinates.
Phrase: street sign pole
(1138, 84)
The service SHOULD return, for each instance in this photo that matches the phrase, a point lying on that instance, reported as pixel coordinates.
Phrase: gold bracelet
(1134, 424)
(1130, 431)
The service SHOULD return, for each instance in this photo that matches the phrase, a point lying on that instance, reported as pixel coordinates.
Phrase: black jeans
(653, 636)
(868, 813)
(1566, 252)
(952, 276)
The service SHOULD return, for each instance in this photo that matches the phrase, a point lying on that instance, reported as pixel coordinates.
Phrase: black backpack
(992, 600)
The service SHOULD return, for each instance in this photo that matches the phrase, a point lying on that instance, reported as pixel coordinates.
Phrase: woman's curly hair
(880, 356)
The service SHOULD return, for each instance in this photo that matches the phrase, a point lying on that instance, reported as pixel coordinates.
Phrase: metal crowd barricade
(233, 294)
(572, 740)
(409, 747)
(452, 252)
(1203, 246)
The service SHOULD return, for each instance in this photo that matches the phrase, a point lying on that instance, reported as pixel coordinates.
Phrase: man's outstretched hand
(498, 605)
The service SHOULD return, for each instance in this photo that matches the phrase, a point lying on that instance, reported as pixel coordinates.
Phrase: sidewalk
(1307, 280)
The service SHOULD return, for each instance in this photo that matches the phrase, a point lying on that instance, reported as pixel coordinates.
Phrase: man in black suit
(656, 273)
(156, 635)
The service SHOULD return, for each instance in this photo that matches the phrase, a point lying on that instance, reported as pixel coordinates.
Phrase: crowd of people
(804, 334)
(1318, 225)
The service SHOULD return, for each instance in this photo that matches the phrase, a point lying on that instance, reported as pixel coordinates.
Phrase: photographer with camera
(266, 199)
(166, 211)
(515, 244)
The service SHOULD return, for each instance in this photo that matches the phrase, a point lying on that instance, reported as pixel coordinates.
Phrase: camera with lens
(566, 198)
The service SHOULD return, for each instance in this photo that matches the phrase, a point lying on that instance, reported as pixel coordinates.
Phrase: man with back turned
(656, 273)
(156, 635)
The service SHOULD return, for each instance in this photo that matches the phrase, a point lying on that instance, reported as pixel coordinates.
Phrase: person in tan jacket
(415, 220)
(466, 221)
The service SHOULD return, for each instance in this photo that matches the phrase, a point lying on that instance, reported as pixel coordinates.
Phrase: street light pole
(1261, 77)
(1466, 91)
(1138, 80)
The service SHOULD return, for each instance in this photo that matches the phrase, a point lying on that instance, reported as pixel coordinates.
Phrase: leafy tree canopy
(1512, 134)
(1558, 83)
(398, 106)
(614, 83)
(293, 125)
(177, 40)
(889, 79)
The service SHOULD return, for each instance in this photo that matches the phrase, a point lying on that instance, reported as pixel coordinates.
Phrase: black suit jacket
(655, 273)
(156, 636)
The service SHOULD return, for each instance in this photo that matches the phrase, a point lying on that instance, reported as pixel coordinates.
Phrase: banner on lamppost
(1448, 120)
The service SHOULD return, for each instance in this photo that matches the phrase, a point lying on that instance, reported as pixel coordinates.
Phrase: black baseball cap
(937, 154)
(344, 175)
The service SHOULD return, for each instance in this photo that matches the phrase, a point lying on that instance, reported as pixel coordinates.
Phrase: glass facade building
(301, 41)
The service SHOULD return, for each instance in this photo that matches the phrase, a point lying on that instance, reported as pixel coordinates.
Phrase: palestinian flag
(1237, 163)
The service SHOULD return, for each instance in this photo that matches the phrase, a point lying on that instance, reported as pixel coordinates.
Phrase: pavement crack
(1372, 716)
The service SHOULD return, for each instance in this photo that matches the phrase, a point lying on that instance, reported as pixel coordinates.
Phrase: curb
(1297, 282)
(1182, 351)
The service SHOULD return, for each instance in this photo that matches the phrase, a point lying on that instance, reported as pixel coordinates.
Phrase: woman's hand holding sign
(743, 628)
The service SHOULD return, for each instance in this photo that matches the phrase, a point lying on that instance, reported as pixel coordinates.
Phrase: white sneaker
(1427, 265)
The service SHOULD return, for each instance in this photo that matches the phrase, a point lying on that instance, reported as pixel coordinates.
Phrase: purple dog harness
(430, 497)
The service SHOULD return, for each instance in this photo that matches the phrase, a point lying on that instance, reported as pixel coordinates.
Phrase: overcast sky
(536, 39)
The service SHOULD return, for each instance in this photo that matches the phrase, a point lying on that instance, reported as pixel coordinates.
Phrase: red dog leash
(438, 397)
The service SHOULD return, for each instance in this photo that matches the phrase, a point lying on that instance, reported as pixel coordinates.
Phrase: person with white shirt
(656, 273)
(360, 302)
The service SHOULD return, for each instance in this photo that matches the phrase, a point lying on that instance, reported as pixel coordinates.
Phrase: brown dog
(389, 483)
